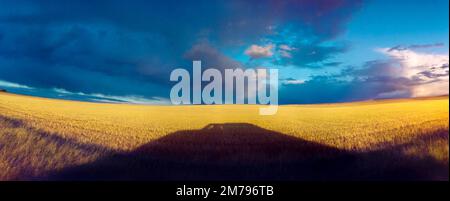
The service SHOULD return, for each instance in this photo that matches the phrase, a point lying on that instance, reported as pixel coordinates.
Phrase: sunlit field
(47, 139)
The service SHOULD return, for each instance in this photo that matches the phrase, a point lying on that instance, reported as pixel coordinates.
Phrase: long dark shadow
(241, 151)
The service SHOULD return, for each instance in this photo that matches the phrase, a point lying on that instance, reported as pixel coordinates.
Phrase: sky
(325, 51)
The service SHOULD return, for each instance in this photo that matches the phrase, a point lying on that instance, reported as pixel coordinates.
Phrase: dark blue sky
(326, 51)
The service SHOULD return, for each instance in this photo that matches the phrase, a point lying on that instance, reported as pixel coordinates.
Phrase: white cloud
(285, 51)
(256, 51)
(133, 99)
(293, 82)
(63, 91)
(117, 99)
(431, 89)
(13, 85)
(285, 54)
(415, 62)
(431, 69)
(285, 47)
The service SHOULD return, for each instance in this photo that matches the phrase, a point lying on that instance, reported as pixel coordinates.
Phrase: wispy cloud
(97, 97)
(257, 52)
(285, 51)
(292, 81)
(13, 85)
(416, 46)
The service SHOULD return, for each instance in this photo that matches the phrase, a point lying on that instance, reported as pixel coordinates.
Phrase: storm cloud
(130, 47)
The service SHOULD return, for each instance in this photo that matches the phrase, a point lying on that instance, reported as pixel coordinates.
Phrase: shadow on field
(239, 151)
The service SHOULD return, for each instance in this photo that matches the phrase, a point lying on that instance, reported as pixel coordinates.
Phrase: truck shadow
(241, 151)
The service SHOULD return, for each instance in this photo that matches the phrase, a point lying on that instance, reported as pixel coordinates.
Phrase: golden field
(375, 140)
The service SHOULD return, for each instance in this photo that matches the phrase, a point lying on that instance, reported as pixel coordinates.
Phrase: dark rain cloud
(130, 47)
